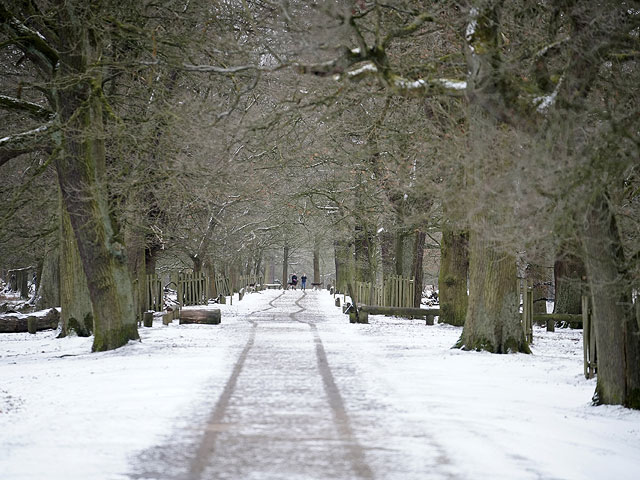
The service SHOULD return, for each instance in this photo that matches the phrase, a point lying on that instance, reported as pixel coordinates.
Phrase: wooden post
(147, 319)
(551, 325)
(167, 318)
(430, 319)
(337, 301)
(32, 324)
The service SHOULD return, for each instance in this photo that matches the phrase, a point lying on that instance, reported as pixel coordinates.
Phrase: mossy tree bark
(493, 322)
(452, 281)
(80, 165)
(136, 259)
(614, 321)
(77, 311)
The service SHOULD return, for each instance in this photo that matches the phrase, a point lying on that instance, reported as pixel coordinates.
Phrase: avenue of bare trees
(213, 134)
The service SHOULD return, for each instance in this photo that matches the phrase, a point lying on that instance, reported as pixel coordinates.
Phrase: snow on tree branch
(19, 143)
(11, 103)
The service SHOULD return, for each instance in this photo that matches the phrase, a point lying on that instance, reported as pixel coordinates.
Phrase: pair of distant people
(294, 281)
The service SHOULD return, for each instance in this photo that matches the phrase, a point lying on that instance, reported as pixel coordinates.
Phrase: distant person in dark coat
(303, 279)
(294, 281)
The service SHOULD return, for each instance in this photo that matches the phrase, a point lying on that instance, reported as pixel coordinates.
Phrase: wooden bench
(427, 313)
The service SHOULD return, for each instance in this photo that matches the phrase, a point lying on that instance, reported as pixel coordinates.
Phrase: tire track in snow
(341, 418)
(206, 448)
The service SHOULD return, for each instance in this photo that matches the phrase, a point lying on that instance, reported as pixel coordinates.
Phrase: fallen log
(200, 316)
(19, 323)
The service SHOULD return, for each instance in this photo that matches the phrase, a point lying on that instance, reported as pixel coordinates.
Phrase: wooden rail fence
(588, 335)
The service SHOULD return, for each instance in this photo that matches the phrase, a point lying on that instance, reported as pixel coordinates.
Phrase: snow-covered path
(286, 388)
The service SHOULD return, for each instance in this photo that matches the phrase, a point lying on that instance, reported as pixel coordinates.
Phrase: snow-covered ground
(415, 407)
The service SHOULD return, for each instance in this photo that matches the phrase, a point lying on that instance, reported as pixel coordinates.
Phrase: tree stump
(167, 318)
(147, 319)
(32, 324)
(337, 301)
(200, 316)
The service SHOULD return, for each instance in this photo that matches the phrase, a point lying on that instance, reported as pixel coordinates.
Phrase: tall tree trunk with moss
(452, 281)
(493, 322)
(77, 311)
(80, 165)
(615, 324)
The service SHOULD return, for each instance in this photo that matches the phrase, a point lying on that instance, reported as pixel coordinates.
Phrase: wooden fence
(193, 289)
(396, 291)
(154, 294)
(243, 281)
(223, 285)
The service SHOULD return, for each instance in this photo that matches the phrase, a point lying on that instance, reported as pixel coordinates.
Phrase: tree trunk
(136, 261)
(285, 266)
(569, 275)
(80, 165)
(399, 252)
(615, 325)
(77, 311)
(363, 245)
(418, 272)
(452, 282)
(387, 244)
(210, 271)
(316, 262)
(49, 283)
(493, 322)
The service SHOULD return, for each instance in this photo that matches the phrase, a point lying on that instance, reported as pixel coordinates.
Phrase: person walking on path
(303, 279)
(294, 281)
